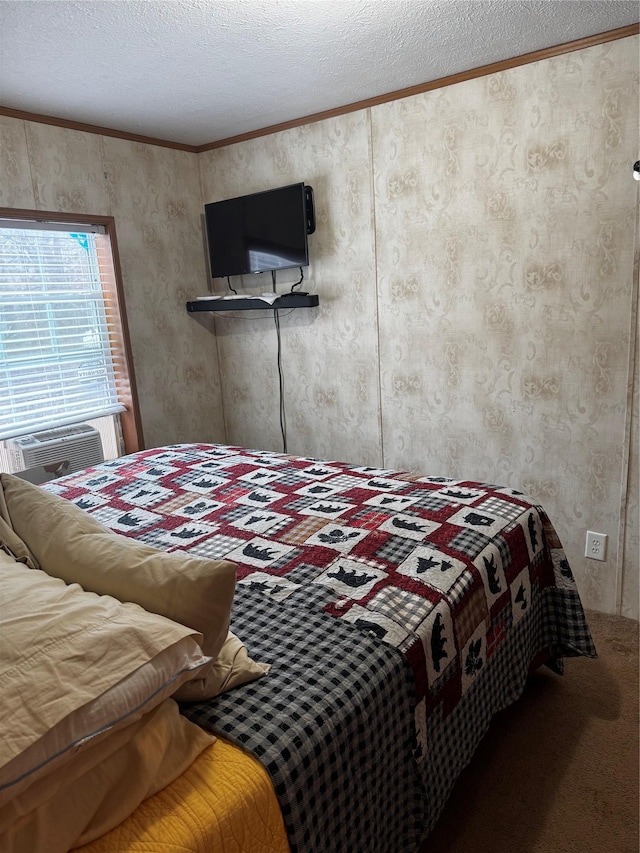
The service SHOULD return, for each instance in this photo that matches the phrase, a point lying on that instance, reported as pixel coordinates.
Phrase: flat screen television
(260, 232)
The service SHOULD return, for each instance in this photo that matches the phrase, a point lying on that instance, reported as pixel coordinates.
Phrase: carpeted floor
(558, 771)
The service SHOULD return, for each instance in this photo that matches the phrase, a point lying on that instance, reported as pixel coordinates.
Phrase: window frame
(113, 290)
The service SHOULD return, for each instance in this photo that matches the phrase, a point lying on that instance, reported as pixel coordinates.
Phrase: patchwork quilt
(449, 590)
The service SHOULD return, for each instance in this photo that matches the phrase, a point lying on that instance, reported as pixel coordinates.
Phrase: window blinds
(61, 358)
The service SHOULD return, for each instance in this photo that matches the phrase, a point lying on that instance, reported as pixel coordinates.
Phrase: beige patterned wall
(154, 195)
(505, 211)
(329, 354)
(474, 261)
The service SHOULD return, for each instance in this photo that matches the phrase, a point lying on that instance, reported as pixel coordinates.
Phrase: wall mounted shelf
(240, 303)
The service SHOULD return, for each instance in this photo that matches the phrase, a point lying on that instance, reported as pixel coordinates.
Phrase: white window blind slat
(25, 225)
(22, 403)
(57, 366)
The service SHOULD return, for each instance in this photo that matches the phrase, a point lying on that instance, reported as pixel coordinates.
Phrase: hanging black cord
(283, 419)
(231, 288)
(298, 283)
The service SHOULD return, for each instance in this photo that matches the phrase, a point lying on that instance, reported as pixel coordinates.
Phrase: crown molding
(39, 118)
(482, 71)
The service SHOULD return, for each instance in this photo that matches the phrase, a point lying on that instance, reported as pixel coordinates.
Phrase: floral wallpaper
(474, 259)
(329, 354)
(152, 192)
(474, 262)
(505, 212)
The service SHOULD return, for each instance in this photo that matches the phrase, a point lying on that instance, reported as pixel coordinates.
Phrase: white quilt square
(486, 523)
(532, 526)
(259, 497)
(409, 526)
(128, 521)
(185, 534)
(90, 501)
(317, 471)
(460, 494)
(350, 579)
(327, 508)
(520, 596)
(259, 521)
(155, 472)
(489, 564)
(259, 552)
(375, 623)
(392, 503)
(204, 483)
(338, 537)
(319, 490)
(383, 484)
(277, 588)
(144, 494)
(259, 477)
(438, 640)
(198, 507)
(433, 568)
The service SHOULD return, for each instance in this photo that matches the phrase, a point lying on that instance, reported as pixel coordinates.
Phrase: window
(63, 343)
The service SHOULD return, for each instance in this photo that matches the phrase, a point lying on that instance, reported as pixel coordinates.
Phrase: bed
(390, 616)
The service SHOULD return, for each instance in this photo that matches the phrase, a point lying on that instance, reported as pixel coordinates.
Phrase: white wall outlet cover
(596, 545)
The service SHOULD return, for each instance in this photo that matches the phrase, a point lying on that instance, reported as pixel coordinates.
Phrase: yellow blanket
(223, 803)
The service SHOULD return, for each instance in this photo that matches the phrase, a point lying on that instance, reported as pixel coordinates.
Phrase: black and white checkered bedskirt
(332, 723)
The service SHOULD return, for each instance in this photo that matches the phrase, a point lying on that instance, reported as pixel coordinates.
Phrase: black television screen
(259, 232)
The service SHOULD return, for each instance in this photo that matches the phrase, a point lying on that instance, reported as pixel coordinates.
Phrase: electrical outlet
(596, 546)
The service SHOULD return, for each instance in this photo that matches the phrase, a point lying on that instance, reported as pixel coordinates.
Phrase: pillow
(10, 542)
(102, 786)
(74, 666)
(70, 544)
(231, 668)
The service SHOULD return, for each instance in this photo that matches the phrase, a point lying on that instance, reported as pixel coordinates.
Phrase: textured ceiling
(196, 71)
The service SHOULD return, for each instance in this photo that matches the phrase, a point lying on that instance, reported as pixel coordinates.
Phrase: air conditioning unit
(62, 450)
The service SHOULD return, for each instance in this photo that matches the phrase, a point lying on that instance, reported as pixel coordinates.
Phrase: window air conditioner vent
(78, 445)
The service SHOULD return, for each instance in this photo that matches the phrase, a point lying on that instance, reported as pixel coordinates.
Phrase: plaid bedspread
(431, 597)
(332, 723)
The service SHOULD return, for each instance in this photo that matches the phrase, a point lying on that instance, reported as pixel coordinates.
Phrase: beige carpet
(558, 771)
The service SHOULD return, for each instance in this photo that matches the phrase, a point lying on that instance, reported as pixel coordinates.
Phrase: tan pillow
(74, 665)
(232, 667)
(10, 542)
(70, 544)
(103, 785)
